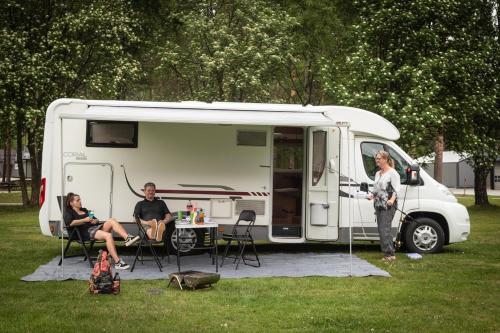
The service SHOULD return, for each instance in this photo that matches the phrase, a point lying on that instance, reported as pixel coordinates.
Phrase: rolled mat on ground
(273, 265)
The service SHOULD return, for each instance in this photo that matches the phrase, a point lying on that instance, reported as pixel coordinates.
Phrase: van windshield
(368, 152)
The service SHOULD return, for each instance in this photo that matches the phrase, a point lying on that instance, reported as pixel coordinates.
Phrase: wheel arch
(439, 218)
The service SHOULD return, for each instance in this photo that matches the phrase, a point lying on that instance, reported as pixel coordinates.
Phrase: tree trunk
(4, 165)
(19, 150)
(438, 158)
(480, 189)
(8, 167)
(35, 163)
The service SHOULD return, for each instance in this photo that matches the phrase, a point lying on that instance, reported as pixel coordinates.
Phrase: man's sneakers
(131, 240)
(159, 231)
(121, 265)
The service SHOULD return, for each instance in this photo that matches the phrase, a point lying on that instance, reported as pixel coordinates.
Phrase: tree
(323, 32)
(56, 49)
(229, 50)
(417, 63)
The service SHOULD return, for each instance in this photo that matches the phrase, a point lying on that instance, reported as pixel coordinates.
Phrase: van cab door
(364, 221)
(322, 203)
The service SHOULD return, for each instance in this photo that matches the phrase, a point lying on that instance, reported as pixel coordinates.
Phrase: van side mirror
(363, 187)
(413, 174)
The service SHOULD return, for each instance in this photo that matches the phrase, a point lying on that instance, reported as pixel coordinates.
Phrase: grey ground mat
(273, 265)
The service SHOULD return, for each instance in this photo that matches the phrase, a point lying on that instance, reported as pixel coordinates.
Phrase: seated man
(152, 212)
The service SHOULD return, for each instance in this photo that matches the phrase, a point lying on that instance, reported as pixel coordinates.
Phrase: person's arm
(76, 223)
(395, 182)
(167, 217)
(71, 221)
(371, 195)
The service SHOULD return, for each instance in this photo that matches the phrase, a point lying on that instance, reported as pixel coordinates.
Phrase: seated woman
(91, 228)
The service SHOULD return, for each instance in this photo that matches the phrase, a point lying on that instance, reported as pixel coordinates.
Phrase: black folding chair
(74, 235)
(146, 242)
(242, 236)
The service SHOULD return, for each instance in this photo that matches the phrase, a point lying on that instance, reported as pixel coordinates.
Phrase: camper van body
(298, 167)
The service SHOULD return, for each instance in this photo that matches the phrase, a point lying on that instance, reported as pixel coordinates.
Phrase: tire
(424, 235)
(188, 247)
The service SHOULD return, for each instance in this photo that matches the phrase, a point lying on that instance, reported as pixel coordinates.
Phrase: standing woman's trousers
(384, 221)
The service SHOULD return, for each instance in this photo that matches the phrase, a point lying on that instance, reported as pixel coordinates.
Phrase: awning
(202, 116)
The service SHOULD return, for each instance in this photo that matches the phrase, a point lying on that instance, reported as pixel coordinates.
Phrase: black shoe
(121, 265)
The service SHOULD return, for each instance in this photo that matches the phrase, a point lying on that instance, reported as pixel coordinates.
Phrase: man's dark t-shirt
(147, 210)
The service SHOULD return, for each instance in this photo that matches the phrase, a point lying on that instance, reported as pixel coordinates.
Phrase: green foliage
(54, 49)
(227, 51)
(427, 66)
(323, 32)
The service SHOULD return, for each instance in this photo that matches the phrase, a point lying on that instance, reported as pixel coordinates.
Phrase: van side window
(117, 134)
(368, 151)
(400, 164)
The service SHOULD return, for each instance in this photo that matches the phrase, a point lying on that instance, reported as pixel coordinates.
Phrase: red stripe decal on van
(202, 192)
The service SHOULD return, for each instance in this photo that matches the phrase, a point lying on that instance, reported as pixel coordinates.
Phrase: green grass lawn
(11, 197)
(455, 291)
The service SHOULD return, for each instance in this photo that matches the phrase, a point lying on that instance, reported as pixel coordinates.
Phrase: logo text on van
(73, 154)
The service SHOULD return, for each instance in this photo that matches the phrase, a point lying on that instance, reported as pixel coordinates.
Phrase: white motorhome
(299, 167)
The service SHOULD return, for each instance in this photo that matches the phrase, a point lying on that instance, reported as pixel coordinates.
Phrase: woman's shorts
(92, 230)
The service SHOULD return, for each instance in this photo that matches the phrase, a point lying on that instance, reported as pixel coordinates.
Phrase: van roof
(360, 121)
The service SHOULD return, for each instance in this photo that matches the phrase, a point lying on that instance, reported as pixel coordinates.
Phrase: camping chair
(146, 242)
(75, 236)
(242, 236)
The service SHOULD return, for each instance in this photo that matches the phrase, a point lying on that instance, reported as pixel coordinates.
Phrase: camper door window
(113, 134)
(318, 158)
(368, 152)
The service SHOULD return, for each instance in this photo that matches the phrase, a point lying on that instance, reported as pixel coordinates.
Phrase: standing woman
(387, 185)
(90, 228)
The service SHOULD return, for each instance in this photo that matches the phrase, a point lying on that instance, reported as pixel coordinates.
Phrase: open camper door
(322, 205)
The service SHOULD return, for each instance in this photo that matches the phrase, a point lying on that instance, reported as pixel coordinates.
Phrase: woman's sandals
(389, 259)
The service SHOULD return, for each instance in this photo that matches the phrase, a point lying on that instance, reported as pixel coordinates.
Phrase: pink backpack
(101, 280)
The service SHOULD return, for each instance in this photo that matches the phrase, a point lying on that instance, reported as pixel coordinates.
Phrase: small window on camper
(318, 158)
(117, 134)
(251, 138)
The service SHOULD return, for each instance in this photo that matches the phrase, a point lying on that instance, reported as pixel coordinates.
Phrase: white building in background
(457, 172)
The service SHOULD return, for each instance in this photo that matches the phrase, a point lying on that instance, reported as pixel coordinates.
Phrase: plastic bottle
(202, 216)
(194, 219)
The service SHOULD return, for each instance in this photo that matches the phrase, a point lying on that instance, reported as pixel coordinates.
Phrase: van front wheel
(424, 235)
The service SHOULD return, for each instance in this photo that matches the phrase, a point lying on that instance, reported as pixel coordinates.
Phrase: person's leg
(160, 231)
(114, 225)
(151, 230)
(384, 221)
(110, 243)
